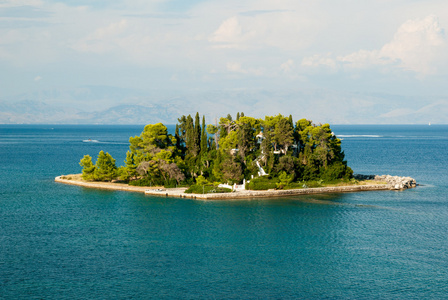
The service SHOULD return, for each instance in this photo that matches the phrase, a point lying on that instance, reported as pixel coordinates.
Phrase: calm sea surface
(68, 242)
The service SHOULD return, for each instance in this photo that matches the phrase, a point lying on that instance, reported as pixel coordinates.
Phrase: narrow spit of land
(365, 185)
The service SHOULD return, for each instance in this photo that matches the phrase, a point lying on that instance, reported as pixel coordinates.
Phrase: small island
(235, 158)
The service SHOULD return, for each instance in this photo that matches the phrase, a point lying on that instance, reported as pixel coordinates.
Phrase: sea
(67, 242)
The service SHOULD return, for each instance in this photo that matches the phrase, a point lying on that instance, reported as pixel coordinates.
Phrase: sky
(364, 47)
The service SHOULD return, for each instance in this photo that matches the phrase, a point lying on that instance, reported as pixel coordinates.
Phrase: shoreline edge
(179, 192)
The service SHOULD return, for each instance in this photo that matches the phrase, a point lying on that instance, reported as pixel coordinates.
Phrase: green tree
(88, 168)
(283, 135)
(106, 170)
(247, 129)
(177, 136)
(229, 142)
(190, 137)
(290, 121)
(227, 125)
(171, 171)
(136, 148)
(156, 157)
(212, 129)
(269, 124)
(204, 147)
(128, 171)
(155, 137)
(286, 164)
(231, 170)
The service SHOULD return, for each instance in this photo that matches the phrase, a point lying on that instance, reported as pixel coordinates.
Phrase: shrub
(206, 189)
(143, 182)
(314, 183)
(262, 183)
(151, 181)
(200, 180)
(284, 179)
(335, 171)
(294, 185)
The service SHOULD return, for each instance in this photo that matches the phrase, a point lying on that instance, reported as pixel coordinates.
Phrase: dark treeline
(229, 151)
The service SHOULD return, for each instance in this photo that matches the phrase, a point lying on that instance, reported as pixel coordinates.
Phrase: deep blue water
(68, 242)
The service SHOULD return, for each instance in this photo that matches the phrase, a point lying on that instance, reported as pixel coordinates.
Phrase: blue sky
(390, 47)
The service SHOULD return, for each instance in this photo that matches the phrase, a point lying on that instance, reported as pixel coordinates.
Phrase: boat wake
(99, 142)
(90, 141)
(359, 135)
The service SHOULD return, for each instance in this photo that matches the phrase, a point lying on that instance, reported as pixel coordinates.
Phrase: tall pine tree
(203, 137)
(197, 135)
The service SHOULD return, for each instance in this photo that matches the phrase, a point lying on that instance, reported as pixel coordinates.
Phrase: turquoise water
(68, 242)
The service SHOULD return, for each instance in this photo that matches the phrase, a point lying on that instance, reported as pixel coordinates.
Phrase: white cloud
(363, 58)
(418, 45)
(263, 43)
(285, 30)
(38, 78)
(234, 67)
(228, 33)
(111, 30)
(103, 39)
(287, 66)
(319, 60)
(15, 3)
(237, 68)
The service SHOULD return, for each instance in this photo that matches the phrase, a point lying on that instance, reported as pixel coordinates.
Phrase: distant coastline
(367, 185)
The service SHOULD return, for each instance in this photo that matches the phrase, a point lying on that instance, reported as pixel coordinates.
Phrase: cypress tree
(177, 136)
(189, 135)
(203, 137)
(197, 134)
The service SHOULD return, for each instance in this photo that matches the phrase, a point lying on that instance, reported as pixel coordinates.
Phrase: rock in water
(395, 182)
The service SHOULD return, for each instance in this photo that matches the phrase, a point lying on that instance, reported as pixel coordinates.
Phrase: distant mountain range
(101, 106)
(35, 112)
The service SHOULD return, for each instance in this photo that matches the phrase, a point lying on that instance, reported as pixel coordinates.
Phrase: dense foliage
(103, 170)
(228, 152)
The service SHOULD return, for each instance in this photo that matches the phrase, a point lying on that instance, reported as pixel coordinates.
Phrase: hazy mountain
(102, 105)
(32, 112)
(132, 114)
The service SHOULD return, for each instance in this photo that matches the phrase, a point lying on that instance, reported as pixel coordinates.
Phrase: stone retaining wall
(270, 193)
(392, 183)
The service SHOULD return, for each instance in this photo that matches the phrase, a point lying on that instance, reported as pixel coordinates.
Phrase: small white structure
(260, 137)
(235, 187)
(261, 171)
(234, 151)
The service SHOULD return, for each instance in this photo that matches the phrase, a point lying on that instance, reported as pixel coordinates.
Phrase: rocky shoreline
(396, 182)
(371, 183)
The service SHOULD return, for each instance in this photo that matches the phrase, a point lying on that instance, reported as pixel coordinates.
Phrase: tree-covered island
(269, 153)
